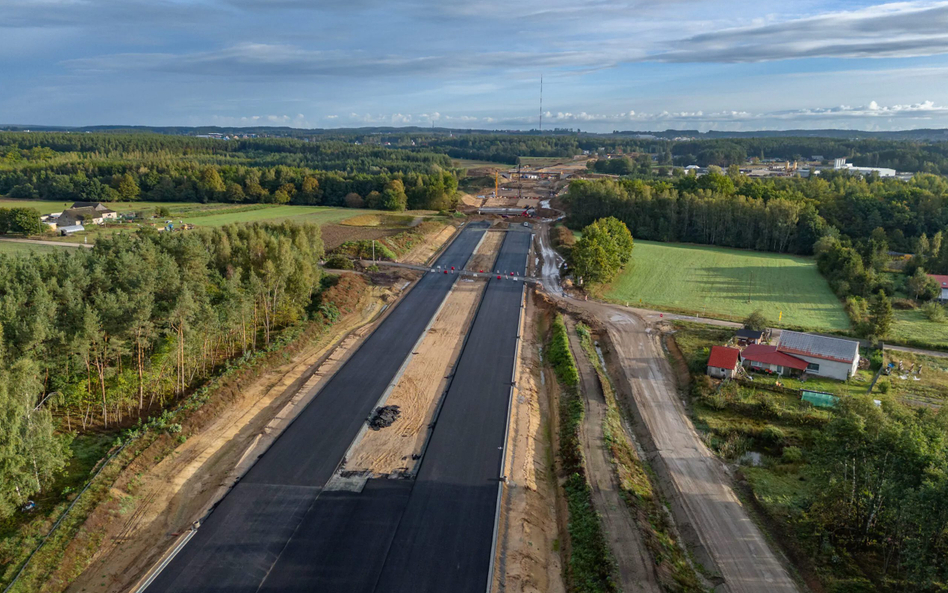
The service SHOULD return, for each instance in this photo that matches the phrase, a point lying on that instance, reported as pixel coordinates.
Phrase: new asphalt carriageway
(282, 529)
(239, 542)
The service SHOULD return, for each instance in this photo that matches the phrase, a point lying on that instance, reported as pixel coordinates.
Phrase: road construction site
(420, 460)
(301, 520)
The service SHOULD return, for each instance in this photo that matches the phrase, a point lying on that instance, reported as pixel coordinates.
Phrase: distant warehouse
(835, 358)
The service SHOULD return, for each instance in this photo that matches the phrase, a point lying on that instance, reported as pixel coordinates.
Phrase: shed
(748, 336)
(722, 364)
(70, 229)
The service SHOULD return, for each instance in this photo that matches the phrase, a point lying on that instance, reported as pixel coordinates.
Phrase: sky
(606, 64)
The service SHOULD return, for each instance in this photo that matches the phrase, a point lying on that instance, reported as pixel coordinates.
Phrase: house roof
(80, 214)
(835, 349)
(942, 280)
(749, 334)
(95, 205)
(723, 357)
(770, 355)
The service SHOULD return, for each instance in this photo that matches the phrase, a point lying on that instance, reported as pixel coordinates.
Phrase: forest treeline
(781, 215)
(116, 167)
(102, 336)
(924, 157)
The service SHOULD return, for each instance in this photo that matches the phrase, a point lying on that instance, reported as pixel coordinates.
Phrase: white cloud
(895, 30)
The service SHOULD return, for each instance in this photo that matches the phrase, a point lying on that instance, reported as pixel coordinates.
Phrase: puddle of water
(752, 458)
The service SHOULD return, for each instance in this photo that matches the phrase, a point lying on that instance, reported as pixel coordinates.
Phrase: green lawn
(316, 214)
(728, 284)
(47, 206)
(14, 247)
(912, 327)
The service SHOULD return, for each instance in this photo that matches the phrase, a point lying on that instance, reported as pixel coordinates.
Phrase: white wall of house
(829, 368)
(763, 366)
(720, 373)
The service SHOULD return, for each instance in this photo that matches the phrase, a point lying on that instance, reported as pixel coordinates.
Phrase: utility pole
(373, 251)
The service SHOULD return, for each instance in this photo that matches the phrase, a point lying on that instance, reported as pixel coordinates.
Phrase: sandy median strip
(486, 254)
(394, 449)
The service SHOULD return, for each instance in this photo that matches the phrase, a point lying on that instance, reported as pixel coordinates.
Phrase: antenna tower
(541, 102)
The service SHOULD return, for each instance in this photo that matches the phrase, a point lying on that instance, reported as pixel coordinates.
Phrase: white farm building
(835, 358)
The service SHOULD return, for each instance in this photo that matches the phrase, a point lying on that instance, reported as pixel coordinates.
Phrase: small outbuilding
(748, 336)
(723, 362)
(70, 229)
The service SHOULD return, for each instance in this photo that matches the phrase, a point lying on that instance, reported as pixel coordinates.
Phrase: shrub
(934, 312)
(560, 356)
(773, 434)
(792, 455)
(875, 359)
(884, 386)
(339, 262)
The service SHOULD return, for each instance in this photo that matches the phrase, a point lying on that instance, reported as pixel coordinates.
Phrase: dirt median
(486, 254)
(395, 448)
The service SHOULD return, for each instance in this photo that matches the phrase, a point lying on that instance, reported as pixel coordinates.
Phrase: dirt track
(635, 564)
(705, 505)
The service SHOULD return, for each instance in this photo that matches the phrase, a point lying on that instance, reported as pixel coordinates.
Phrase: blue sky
(607, 64)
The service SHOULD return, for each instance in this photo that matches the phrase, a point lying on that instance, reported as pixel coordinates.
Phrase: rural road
(698, 480)
(635, 566)
(52, 243)
(238, 544)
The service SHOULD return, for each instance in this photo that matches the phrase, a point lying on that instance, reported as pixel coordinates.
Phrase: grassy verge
(67, 551)
(590, 566)
(637, 484)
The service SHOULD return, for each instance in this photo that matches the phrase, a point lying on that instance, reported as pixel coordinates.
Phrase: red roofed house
(943, 283)
(722, 364)
(761, 357)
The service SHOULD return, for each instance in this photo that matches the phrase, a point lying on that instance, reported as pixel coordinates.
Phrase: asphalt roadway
(433, 533)
(238, 544)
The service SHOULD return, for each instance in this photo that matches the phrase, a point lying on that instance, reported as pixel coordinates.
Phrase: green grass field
(14, 247)
(316, 214)
(913, 327)
(472, 164)
(728, 284)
